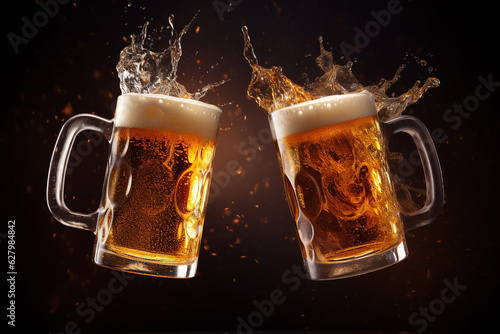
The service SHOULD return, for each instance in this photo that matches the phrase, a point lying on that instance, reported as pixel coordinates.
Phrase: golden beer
(337, 179)
(157, 185)
(156, 195)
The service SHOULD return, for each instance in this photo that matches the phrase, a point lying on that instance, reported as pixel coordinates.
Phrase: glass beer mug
(154, 198)
(334, 165)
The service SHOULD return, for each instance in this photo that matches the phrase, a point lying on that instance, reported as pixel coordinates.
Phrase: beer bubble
(154, 184)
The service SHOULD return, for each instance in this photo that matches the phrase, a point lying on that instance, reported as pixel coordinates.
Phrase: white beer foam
(324, 111)
(167, 113)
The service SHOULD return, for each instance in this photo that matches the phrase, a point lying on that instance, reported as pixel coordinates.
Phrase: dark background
(249, 241)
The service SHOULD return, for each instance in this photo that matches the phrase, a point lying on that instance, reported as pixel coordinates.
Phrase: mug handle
(432, 169)
(59, 164)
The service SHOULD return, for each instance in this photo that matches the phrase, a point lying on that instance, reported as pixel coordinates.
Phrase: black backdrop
(67, 66)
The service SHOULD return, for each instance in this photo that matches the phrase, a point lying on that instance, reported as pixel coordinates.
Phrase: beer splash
(270, 87)
(143, 71)
(273, 90)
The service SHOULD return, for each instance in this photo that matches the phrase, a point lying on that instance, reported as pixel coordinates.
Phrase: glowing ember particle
(266, 183)
(68, 109)
(197, 29)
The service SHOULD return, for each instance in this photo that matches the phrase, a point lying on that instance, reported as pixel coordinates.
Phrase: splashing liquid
(273, 90)
(270, 87)
(143, 71)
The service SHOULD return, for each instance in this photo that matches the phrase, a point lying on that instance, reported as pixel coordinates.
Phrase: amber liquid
(336, 177)
(155, 196)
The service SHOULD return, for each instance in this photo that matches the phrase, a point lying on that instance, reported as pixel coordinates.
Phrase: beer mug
(334, 165)
(153, 204)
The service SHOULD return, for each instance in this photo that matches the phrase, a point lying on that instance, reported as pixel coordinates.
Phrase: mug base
(109, 259)
(356, 266)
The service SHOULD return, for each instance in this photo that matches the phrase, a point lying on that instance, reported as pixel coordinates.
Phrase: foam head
(324, 111)
(166, 113)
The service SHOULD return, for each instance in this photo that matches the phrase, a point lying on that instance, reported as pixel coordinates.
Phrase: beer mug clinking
(156, 186)
(339, 188)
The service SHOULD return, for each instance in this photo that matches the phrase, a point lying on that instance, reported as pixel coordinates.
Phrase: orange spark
(68, 109)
